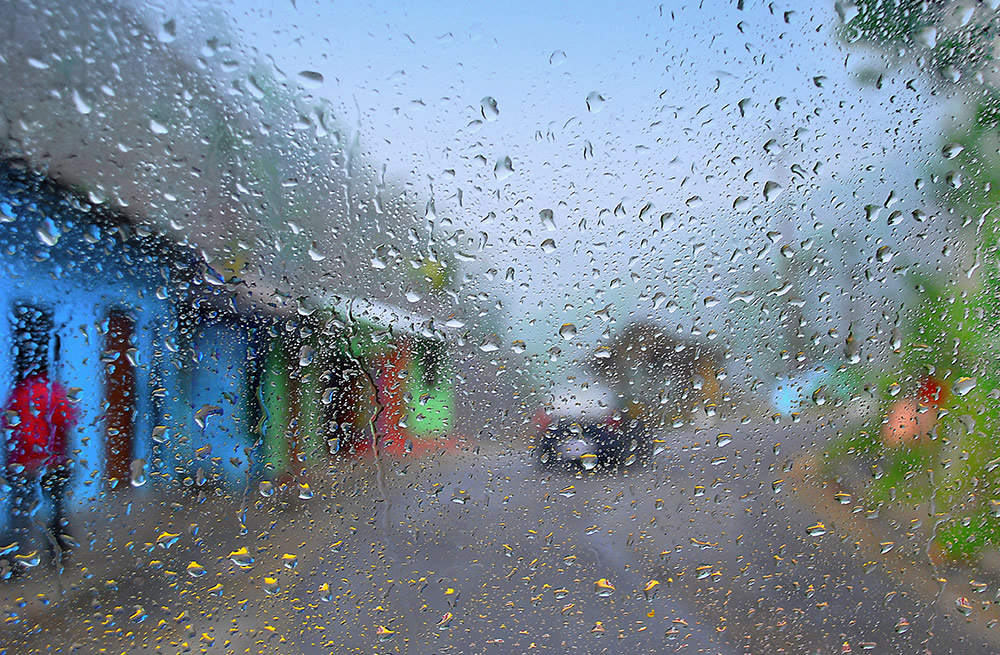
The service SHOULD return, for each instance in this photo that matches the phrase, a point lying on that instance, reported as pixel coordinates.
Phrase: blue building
(140, 332)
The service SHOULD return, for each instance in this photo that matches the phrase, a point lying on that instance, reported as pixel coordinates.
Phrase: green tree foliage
(951, 331)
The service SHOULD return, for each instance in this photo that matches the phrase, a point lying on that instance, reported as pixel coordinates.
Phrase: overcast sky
(605, 106)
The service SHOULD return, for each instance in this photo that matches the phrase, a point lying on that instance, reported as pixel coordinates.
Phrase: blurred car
(607, 443)
(584, 427)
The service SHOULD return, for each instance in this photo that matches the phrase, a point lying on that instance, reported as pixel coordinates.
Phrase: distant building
(107, 294)
(659, 374)
(170, 379)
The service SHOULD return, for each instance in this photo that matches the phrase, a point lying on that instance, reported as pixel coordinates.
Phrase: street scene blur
(411, 327)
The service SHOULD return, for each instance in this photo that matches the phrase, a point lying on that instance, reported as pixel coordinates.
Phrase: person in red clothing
(39, 417)
(36, 424)
(913, 417)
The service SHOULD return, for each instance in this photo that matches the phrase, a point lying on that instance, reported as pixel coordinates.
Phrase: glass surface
(478, 328)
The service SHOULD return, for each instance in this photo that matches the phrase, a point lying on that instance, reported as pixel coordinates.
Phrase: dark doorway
(32, 337)
(119, 389)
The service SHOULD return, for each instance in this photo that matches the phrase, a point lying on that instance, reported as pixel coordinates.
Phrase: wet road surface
(710, 548)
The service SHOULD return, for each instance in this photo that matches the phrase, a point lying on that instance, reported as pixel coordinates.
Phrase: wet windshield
(431, 328)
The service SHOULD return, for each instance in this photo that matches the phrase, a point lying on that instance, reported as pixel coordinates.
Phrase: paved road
(483, 552)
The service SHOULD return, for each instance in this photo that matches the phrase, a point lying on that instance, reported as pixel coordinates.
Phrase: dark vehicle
(582, 436)
(648, 381)
(608, 443)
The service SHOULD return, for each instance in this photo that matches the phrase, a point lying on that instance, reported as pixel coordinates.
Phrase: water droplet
(557, 58)
(242, 558)
(847, 11)
(82, 106)
(548, 246)
(305, 492)
(195, 570)
(168, 31)
(266, 489)
(777, 485)
(28, 560)
(963, 386)
(963, 605)
(649, 591)
(902, 626)
(927, 36)
(289, 560)
(47, 232)
(548, 219)
(488, 108)
(567, 331)
(137, 472)
(207, 411)
(325, 594)
(315, 254)
(383, 633)
(518, 347)
(723, 439)
(604, 588)
(167, 539)
(157, 127)
(310, 79)
(271, 586)
(595, 102)
(952, 150)
(772, 190)
(504, 168)
(843, 498)
(817, 530)
(896, 340)
(819, 396)
(894, 389)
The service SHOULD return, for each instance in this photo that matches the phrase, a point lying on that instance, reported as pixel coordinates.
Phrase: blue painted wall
(60, 253)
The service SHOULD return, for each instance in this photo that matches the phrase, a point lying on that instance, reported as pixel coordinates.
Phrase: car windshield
(424, 327)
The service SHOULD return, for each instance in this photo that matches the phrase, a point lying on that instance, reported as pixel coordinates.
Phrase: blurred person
(912, 417)
(37, 422)
(541, 421)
